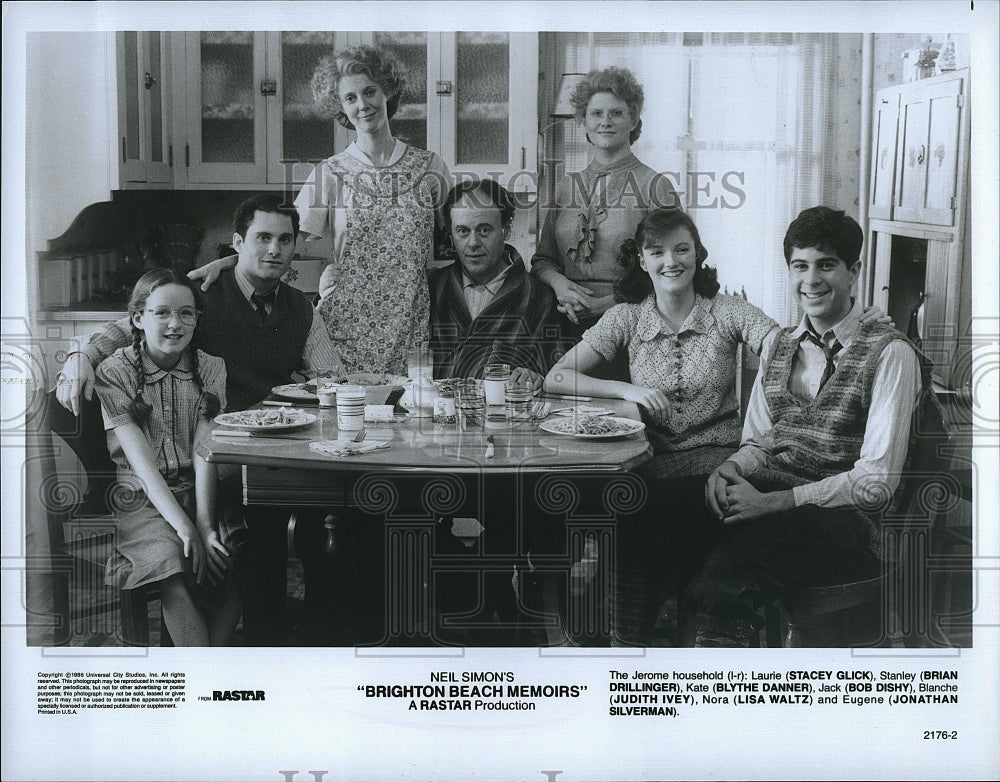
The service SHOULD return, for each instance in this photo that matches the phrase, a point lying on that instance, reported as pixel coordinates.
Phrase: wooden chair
(81, 525)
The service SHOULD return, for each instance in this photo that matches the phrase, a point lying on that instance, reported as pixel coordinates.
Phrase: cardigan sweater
(522, 317)
(259, 355)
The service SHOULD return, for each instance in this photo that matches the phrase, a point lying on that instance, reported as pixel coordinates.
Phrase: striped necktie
(261, 302)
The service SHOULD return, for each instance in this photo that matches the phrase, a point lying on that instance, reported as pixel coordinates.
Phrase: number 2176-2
(940, 734)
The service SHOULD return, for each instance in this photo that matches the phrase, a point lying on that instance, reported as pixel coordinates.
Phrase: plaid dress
(147, 548)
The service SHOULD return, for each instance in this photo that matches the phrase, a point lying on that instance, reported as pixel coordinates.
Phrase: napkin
(379, 413)
(347, 447)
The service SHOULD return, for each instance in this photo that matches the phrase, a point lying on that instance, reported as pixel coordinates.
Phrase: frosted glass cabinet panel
(410, 122)
(225, 88)
(482, 96)
(471, 97)
(143, 81)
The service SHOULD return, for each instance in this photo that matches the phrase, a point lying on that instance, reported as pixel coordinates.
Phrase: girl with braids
(158, 395)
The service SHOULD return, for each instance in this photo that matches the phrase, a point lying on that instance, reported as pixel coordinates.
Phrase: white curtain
(747, 118)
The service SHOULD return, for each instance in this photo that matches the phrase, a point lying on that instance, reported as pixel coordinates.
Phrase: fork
(360, 436)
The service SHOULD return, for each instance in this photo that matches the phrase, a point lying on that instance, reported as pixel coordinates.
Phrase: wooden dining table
(540, 497)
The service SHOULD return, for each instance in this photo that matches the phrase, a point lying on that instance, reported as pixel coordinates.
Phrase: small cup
(327, 396)
(470, 399)
(518, 399)
(351, 408)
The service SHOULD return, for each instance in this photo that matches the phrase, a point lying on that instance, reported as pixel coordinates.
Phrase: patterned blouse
(695, 368)
(176, 402)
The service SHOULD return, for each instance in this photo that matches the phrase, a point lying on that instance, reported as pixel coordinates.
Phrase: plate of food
(582, 411)
(297, 392)
(594, 427)
(270, 419)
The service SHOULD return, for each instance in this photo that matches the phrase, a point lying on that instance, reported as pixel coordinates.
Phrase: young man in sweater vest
(826, 431)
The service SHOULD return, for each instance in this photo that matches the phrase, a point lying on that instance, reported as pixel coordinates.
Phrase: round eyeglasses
(617, 116)
(186, 315)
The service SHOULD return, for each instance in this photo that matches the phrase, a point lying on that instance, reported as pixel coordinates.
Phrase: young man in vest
(265, 330)
(826, 430)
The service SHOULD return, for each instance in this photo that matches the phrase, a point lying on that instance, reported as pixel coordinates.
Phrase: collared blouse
(695, 367)
(176, 402)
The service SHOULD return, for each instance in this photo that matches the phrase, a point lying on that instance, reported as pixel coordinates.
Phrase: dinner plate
(295, 392)
(619, 427)
(272, 419)
(583, 410)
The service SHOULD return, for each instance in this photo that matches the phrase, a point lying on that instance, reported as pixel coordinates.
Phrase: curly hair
(621, 83)
(635, 285)
(144, 287)
(382, 69)
(826, 229)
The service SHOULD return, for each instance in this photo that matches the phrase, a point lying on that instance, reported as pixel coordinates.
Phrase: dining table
(541, 501)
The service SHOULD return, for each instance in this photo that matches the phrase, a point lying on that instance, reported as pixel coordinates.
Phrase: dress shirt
(318, 355)
(895, 393)
(478, 296)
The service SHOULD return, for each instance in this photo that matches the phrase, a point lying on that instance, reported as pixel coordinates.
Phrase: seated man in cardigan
(265, 331)
(826, 430)
(486, 307)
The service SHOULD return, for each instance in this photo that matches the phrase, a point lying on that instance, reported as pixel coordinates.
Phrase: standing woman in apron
(378, 200)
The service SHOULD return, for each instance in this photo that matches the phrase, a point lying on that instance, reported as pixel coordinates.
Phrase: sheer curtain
(747, 124)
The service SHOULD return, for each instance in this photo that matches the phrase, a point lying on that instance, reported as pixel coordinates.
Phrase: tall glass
(470, 400)
(496, 376)
(518, 400)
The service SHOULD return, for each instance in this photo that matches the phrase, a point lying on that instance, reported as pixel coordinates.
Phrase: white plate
(583, 410)
(565, 426)
(271, 419)
(295, 392)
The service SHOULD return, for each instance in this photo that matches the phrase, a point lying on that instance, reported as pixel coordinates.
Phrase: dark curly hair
(621, 83)
(831, 230)
(635, 285)
(145, 285)
(382, 69)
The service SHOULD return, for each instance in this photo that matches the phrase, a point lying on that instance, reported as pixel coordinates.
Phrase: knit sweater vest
(258, 355)
(817, 439)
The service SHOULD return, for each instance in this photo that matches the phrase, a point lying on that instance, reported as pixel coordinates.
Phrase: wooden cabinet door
(143, 109)
(930, 123)
(884, 154)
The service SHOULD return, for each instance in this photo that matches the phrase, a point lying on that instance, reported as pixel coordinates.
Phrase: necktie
(829, 351)
(260, 302)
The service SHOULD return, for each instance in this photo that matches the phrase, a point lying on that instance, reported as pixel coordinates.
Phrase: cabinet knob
(148, 81)
(443, 88)
(921, 154)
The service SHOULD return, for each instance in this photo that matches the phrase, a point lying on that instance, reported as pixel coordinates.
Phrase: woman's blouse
(695, 367)
(176, 401)
(596, 210)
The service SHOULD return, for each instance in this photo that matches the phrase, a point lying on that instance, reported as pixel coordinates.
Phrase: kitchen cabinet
(143, 73)
(472, 98)
(245, 107)
(920, 143)
(919, 259)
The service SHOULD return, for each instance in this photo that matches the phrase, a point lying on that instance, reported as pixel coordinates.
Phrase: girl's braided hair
(149, 282)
